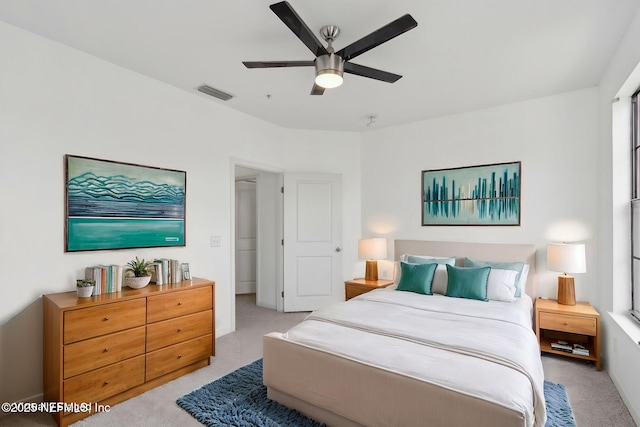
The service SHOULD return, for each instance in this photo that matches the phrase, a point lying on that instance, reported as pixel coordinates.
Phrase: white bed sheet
(483, 349)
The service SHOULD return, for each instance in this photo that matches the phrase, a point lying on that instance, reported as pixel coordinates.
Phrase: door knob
(338, 249)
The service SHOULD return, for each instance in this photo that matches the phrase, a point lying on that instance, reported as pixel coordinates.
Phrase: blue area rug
(239, 399)
(559, 413)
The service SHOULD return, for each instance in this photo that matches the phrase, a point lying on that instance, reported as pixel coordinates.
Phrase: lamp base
(371, 272)
(566, 290)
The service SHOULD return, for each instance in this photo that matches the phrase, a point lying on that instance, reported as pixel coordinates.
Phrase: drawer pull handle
(179, 356)
(106, 349)
(179, 329)
(566, 324)
(106, 318)
(106, 383)
(179, 302)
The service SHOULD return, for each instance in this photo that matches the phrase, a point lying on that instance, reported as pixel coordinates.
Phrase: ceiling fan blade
(372, 73)
(273, 64)
(317, 90)
(381, 35)
(291, 19)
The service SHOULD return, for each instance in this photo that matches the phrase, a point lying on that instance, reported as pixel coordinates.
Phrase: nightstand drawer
(564, 323)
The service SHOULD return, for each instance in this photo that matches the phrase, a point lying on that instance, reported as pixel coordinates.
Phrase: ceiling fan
(331, 65)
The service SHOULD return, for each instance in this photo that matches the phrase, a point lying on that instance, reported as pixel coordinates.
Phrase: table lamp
(372, 250)
(568, 258)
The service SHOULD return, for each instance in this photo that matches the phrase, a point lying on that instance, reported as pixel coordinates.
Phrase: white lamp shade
(566, 257)
(375, 248)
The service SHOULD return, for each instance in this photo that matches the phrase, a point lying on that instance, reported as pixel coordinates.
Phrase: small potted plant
(84, 287)
(137, 273)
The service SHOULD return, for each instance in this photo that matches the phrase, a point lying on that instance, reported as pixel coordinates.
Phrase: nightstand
(575, 324)
(355, 287)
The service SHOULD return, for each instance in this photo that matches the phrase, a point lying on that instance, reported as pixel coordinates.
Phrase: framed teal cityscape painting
(474, 195)
(114, 205)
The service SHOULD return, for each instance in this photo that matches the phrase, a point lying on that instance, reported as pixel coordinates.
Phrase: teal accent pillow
(419, 260)
(416, 277)
(515, 266)
(467, 282)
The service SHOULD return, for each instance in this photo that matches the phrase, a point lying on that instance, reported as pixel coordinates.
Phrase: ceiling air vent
(215, 92)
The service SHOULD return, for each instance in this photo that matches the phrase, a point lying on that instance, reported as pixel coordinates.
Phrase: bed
(393, 358)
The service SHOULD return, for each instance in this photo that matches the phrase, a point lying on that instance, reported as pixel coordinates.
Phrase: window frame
(635, 205)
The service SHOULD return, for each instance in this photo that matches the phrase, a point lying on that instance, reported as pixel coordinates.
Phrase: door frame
(279, 279)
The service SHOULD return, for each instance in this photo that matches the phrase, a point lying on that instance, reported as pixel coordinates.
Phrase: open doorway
(246, 234)
(257, 235)
(298, 235)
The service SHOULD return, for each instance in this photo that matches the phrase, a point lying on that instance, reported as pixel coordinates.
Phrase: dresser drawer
(171, 358)
(105, 382)
(97, 352)
(564, 323)
(179, 303)
(168, 332)
(104, 319)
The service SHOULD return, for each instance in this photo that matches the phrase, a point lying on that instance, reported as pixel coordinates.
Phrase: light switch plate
(215, 241)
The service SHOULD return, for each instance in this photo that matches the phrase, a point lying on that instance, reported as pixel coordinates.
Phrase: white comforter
(483, 349)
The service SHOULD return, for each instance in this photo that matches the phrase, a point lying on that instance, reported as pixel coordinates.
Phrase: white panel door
(245, 237)
(312, 241)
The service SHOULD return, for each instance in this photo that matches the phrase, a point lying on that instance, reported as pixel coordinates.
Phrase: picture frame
(118, 205)
(472, 195)
(186, 275)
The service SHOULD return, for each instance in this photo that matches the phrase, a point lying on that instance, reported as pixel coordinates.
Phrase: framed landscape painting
(114, 205)
(475, 195)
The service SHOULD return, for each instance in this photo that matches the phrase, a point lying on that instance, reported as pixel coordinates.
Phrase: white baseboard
(635, 412)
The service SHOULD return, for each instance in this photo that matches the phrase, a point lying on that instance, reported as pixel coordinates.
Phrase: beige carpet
(593, 397)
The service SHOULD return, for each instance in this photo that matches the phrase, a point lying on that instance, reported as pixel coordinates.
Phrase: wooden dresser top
(70, 300)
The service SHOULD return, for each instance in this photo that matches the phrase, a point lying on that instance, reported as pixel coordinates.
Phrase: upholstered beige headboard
(478, 251)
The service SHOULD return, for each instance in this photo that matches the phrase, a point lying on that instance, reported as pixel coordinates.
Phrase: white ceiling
(463, 55)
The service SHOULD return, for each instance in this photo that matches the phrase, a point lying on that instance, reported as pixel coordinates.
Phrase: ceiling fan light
(329, 79)
(329, 69)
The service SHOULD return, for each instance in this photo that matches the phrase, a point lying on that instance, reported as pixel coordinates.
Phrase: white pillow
(501, 285)
(522, 283)
(396, 272)
(405, 257)
(440, 279)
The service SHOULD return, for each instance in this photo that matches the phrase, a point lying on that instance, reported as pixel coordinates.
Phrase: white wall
(55, 101)
(622, 352)
(554, 138)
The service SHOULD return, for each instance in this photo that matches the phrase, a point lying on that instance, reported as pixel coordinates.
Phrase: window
(635, 205)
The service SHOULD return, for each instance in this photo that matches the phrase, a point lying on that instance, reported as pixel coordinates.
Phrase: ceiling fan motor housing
(329, 69)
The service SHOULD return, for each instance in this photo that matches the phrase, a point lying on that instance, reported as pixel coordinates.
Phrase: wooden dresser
(108, 348)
